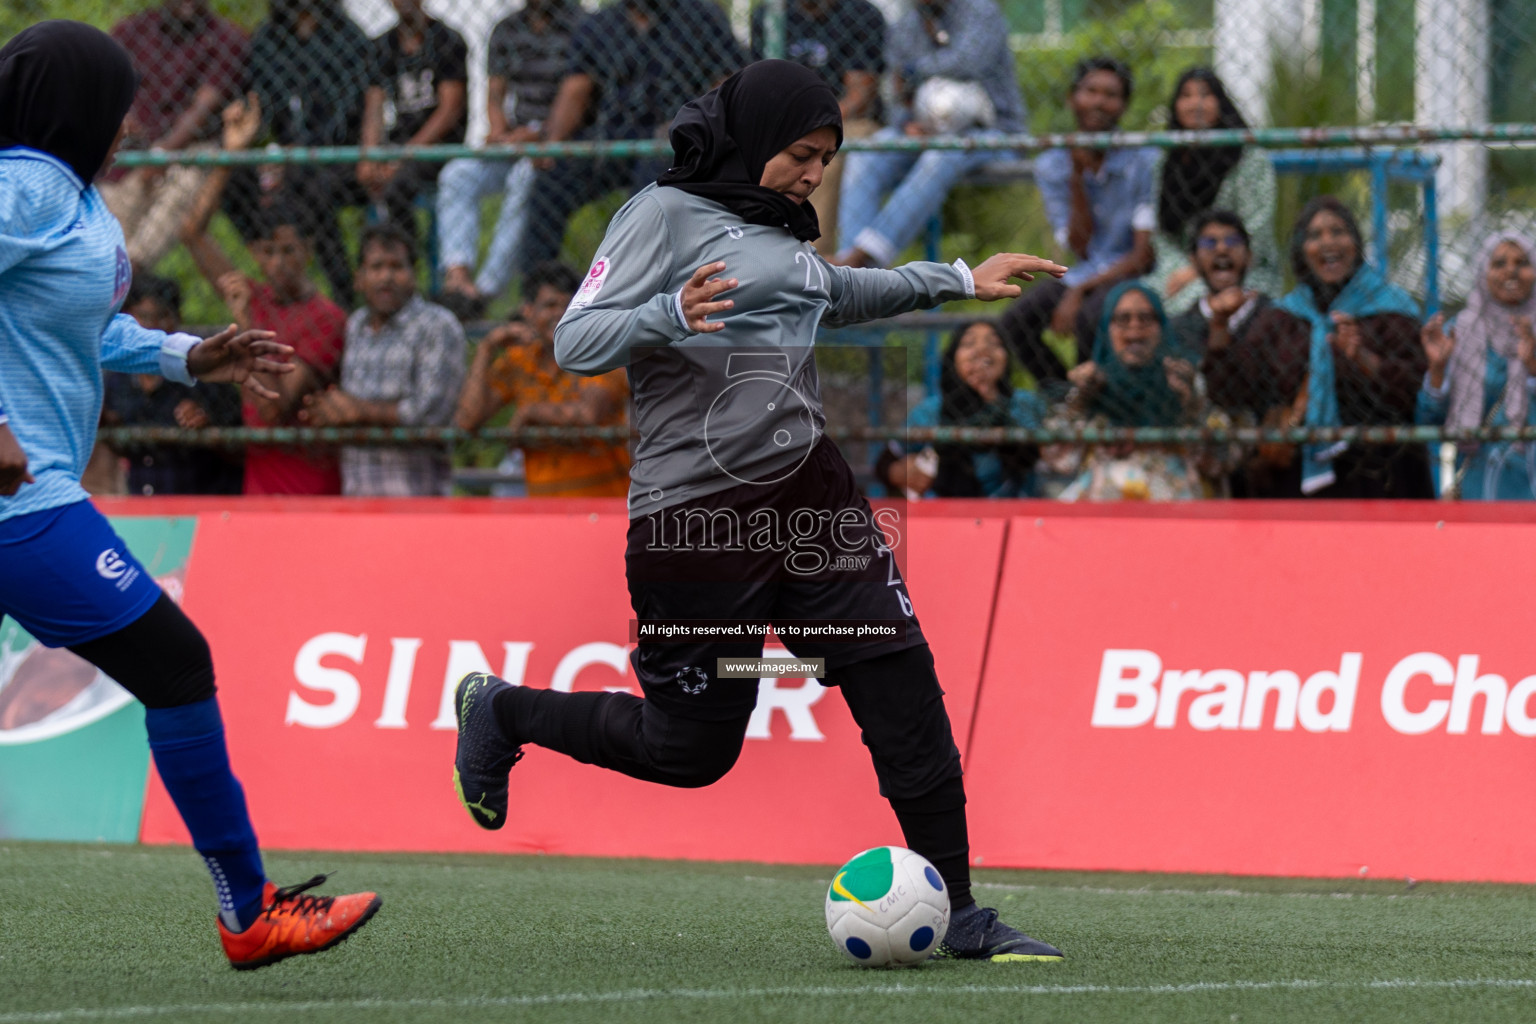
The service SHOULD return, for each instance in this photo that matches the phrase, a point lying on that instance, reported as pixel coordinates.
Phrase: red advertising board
(1260, 696)
(336, 637)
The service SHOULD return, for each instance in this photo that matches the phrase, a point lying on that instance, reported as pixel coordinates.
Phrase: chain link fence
(409, 194)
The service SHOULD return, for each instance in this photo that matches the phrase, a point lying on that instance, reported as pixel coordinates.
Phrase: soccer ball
(887, 907)
(947, 106)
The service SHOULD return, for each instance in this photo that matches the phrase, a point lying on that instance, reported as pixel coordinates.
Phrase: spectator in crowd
(1137, 378)
(1344, 350)
(974, 391)
(1102, 205)
(527, 56)
(1193, 179)
(309, 70)
(632, 65)
(946, 45)
(1482, 370)
(403, 367)
(149, 400)
(515, 363)
(286, 302)
(416, 97)
(844, 42)
(1211, 331)
(190, 63)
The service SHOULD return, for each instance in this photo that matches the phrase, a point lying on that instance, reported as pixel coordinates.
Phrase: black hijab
(722, 140)
(65, 88)
(1192, 175)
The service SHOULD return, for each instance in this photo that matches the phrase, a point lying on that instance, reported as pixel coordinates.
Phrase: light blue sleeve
(1144, 189)
(623, 302)
(1051, 179)
(128, 348)
(1431, 406)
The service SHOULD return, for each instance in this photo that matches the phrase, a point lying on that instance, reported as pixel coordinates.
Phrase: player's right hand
(699, 295)
(13, 463)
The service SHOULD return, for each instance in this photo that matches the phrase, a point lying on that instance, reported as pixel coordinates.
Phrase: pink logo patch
(593, 283)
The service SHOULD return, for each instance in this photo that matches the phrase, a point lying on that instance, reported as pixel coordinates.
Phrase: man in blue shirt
(68, 579)
(1102, 205)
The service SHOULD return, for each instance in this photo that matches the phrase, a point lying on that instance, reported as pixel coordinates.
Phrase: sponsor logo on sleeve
(593, 283)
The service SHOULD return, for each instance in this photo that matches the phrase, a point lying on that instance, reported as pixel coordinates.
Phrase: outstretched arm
(860, 295)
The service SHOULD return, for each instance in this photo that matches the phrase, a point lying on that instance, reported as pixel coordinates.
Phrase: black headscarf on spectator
(1324, 294)
(960, 405)
(722, 140)
(65, 88)
(1192, 175)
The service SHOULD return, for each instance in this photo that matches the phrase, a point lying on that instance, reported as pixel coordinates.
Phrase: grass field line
(1105, 890)
(795, 992)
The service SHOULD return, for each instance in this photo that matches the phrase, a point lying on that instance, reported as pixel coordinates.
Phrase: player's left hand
(13, 463)
(993, 275)
(236, 356)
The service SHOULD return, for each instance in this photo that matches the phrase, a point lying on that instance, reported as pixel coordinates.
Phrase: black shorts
(807, 549)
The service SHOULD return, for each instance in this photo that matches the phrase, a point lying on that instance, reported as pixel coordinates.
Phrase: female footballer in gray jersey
(739, 508)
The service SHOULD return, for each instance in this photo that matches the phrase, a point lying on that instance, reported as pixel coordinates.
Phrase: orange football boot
(291, 924)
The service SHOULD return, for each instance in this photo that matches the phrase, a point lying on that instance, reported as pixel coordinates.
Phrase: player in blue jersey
(65, 576)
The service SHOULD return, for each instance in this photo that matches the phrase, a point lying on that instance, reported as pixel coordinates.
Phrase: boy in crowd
(403, 367)
(1102, 204)
(416, 98)
(149, 400)
(527, 56)
(285, 301)
(515, 363)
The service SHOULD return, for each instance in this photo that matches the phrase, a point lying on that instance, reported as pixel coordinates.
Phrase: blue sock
(188, 746)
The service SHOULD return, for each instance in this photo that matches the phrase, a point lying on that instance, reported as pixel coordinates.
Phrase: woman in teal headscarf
(1344, 351)
(1137, 378)
(1482, 372)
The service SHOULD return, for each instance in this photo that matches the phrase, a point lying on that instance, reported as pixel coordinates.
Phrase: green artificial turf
(126, 933)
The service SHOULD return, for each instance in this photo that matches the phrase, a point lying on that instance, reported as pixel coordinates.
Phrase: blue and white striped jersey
(63, 275)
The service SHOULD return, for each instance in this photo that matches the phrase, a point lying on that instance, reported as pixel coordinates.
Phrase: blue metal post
(1379, 208)
(1431, 247)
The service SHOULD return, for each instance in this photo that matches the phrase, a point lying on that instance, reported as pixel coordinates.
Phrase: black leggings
(160, 657)
(895, 699)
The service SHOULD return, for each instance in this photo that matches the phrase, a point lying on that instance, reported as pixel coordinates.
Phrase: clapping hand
(1526, 349)
(1438, 345)
(242, 122)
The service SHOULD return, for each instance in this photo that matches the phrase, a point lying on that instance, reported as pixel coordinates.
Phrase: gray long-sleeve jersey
(737, 406)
